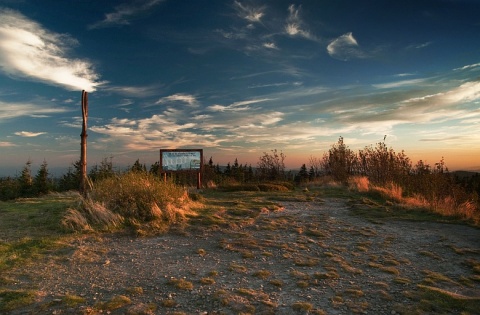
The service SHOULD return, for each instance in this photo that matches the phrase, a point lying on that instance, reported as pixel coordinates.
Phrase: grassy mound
(137, 200)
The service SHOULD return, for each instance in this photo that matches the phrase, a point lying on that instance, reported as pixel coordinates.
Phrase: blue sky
(238, 78)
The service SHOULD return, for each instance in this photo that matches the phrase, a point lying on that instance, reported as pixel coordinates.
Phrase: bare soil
(310, 257)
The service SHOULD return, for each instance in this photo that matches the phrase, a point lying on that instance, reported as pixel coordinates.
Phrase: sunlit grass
(13, 299)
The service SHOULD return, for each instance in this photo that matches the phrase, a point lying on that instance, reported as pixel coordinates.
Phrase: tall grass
(446, 205)
(134, 199)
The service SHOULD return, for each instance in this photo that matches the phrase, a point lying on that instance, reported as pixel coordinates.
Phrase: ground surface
(309, 257)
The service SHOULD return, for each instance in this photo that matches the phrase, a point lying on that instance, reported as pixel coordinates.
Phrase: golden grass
(181, 284)
(138, 200)
(302, 306)
(115, 302)
(262, 274)
(446, 206)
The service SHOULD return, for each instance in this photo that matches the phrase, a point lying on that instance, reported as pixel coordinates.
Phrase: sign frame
(182, 159)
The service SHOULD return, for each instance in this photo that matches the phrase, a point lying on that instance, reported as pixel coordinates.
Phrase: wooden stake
(83, 145)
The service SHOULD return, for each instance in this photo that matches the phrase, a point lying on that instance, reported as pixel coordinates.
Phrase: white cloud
(29, 134)
(28, 50)
(295, 25)
(135, 91)
(270, 45)
(124, 13)
(472, 66)
(179, 97)
(344, 48)
(237, 106)
(398, 84)
(14, 110)
(249, 13)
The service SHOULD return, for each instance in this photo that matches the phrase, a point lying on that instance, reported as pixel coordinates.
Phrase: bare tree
(271, 166)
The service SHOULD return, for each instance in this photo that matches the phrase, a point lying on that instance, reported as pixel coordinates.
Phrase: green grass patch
(25, 251)
(73, 300)
(434, 300)
(114, 303)
(13, 299)
(34, 217)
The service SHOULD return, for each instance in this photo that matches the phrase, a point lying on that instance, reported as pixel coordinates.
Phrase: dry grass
(444, 206)
(302, 306)
(181, 284)
(115, 302)
(141, 201)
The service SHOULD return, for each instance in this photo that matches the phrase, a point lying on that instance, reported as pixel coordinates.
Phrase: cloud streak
(123, 13)
(179, 97)
(10, 110)
(29, 134)
(29, 51)
(345, 47)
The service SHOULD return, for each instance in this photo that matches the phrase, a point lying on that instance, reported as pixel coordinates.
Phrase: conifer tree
(25, 180)
(41, 182)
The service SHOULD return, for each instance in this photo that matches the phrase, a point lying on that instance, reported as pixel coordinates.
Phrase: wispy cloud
(295, 25)
(235, 107)
(124, 13)
(135, 91)
(345, 48)
(398, 84)
(472, 66)
(14, 110)
(179, 97)
(270, 45)
(5, 144)
(250, 13)
(28, 50)
(29, 134)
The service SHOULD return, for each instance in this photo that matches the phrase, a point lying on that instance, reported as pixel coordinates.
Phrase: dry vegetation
(254, 248)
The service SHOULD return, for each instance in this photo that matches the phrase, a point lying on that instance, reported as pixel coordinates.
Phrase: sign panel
(173, 160)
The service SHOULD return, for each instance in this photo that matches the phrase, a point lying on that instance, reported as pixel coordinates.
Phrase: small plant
(207, 280)
(181, 284)
(276, 282)
(134, 290)
(237, 268)
(73, 300)
(168, 303)
(262, 274)
(116, 302)
(302, 306)
(302, 284)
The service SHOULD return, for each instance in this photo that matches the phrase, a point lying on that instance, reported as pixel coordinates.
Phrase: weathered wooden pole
(83, 145)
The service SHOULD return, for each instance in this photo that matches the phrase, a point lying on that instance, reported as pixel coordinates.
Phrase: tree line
(380, 164)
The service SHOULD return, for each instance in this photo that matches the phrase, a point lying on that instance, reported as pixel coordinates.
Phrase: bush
(9, 188)
(272, 187)
(138, 199)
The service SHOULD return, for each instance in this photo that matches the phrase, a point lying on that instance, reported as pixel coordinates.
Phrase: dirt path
(308, 257)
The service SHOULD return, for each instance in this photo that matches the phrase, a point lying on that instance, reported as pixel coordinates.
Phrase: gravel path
(310, 258)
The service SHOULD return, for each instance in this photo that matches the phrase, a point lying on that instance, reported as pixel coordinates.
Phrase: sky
(238, 78)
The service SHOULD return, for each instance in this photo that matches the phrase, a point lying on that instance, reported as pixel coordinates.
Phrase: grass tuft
(12, 299)
(141, 201)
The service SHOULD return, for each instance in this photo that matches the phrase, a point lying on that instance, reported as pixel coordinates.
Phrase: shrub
(141, 196)
(138, 199)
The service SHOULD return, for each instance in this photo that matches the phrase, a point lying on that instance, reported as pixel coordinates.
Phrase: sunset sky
(238, 78)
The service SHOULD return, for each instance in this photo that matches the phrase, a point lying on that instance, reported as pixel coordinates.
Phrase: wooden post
(83, 145)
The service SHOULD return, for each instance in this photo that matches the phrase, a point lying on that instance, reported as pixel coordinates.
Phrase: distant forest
(380, 164)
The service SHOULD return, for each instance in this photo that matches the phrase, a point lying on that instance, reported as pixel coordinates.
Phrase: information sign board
(174, 160)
